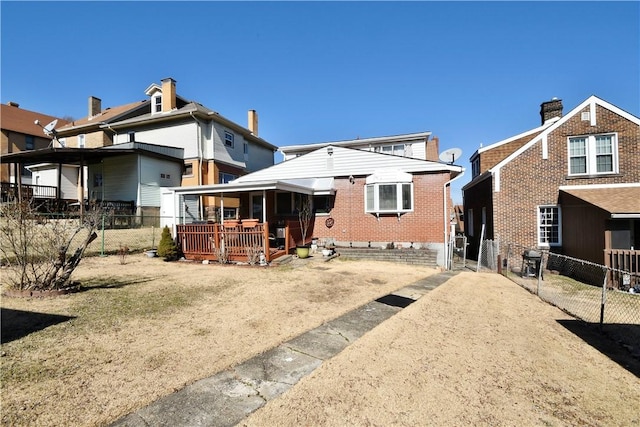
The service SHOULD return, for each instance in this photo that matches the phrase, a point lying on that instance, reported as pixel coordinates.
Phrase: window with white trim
(389, 197)
(549, 226)
(81, 139)
(228, 139)
(469, 223)
(593, 154)
(156, 104)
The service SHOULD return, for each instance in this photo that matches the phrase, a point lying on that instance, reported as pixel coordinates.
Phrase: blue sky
(470, 72)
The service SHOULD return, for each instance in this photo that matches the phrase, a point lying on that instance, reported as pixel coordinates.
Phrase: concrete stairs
(423, 257)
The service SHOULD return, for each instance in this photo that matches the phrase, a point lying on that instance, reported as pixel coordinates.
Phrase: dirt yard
(478, 350)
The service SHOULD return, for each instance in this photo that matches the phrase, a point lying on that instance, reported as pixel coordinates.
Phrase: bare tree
(34, 247)
(305, 214)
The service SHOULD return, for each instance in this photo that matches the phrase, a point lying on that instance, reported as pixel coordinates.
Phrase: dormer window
(156, 103)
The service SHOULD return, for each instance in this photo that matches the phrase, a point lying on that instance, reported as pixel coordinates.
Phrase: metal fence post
(102, 246)
(604, 298)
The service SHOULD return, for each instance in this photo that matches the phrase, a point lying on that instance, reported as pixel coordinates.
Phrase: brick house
(21, 133)
(571, 185)
(360, 198)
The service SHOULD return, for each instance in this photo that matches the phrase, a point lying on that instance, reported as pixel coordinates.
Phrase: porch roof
(620, 201)
(311, 186)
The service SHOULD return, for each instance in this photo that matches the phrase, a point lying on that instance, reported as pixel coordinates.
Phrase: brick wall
(351, 224)
(529, 180)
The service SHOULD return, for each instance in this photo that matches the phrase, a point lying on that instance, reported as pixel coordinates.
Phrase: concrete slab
(228, 397)
(221, 400)
(277, 370)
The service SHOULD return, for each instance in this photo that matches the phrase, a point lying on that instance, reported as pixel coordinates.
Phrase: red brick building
(571, 185)
(360, 198)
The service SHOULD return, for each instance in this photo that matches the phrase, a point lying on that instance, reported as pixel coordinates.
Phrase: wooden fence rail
(232, 242)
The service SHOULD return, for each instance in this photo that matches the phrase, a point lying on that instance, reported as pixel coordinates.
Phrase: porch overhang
(621, 202)
(309, 186)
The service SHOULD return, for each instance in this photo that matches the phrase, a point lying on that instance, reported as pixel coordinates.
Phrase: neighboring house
(21, 133)
(414, 145)
(216, 150)
(360, 198)
(571, 185)
(126, 176)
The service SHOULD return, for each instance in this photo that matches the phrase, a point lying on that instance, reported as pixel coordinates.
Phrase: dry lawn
(478, 350)
(147, 328)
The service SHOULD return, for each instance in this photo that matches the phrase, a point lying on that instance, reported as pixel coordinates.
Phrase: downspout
(200, 158)
(446, 219)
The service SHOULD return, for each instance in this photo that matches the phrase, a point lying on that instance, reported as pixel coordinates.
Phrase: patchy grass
(142, 330)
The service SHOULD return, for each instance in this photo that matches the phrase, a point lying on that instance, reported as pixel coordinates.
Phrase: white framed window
(224, 177)
(132, 136)
(549, 226)
(389, 197)
(81, 140)
(593, 154)
(228, 139)
(156, 104)
(468, 224)
(188, 169)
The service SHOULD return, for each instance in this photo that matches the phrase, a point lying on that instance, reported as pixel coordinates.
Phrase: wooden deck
(229, 242)
(623, 262)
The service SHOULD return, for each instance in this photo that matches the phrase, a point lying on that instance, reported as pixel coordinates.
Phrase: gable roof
(19, 120)
(356, 142)
(592, 101)
(314, 173)
(334, 162)
(621, 201)
(531, 133)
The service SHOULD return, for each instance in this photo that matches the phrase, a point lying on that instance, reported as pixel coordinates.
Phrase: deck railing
(27, 191)
(217, 242)
(624, 263)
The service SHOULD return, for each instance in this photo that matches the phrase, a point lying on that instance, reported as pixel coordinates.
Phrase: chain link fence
(590, 292)
(137, 234)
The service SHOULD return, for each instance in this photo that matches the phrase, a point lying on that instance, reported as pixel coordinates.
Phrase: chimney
(168, 94)
(13, 104)
(95, 106)
(550, 109)
(253, 122)
(433, 149)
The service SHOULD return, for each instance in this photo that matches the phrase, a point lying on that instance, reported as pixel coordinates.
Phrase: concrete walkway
(229, 396)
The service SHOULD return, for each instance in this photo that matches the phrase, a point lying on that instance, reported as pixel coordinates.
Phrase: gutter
(446, 219)
(200, 158)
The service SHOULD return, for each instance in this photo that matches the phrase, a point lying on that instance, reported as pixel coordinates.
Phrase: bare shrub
(34, 247)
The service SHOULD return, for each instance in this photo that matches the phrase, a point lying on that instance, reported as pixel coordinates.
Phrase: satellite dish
(48, 129)
(450, 155)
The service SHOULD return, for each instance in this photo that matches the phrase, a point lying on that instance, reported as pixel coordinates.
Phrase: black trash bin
(531, 261)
